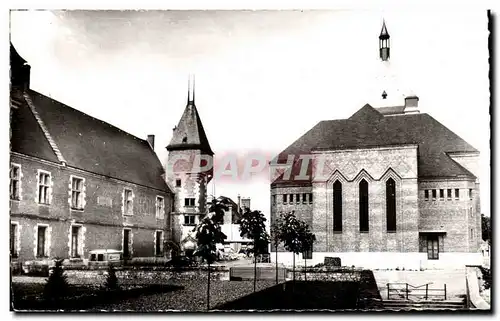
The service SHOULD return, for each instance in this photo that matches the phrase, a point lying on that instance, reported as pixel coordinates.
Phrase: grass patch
(29, 296)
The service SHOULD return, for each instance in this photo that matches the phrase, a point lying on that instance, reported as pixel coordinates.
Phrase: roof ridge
(90, 116)
(45, 131)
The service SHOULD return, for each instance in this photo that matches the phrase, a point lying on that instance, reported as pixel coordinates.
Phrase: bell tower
(384, 43)
(189, 170)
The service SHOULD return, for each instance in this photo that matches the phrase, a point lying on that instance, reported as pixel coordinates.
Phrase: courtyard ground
(454, 280)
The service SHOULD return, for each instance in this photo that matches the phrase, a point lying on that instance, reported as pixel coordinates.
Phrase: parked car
(181, 261)
(104, 257)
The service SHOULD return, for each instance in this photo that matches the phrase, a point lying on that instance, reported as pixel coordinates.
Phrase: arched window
(337, 206)
(390, 200)
(363, 206)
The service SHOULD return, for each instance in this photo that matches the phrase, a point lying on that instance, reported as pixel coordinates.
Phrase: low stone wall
(474, 299)
(321, 274)
(144, 276)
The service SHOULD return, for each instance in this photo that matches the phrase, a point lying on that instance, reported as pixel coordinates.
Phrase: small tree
(276, 237)
(208, 234)
(111, 279)
(252, 226)
(307, 239)
(486, 229)
(290, 236)
(57, 285)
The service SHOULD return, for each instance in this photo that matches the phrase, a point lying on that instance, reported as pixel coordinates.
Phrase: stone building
(388, 187)
(189, 170)
(78, 183)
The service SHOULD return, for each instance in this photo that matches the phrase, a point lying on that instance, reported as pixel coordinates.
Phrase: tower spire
(191, 85)
(384, 43)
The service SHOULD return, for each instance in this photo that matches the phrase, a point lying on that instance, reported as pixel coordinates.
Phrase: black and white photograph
(209, 160)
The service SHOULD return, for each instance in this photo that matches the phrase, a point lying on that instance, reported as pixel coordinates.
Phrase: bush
(486, 277)
(57, 285)
(111, 279)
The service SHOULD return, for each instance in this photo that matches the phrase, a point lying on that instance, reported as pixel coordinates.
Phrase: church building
(388, 187)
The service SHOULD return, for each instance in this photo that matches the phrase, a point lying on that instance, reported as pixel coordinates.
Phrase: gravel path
(192, 298)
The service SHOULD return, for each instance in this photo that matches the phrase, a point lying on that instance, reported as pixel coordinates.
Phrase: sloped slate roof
(85, 142)
(368, 128)
(189, 133)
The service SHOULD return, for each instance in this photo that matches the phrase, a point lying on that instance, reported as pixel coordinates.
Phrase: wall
(451, 215)
(376, 166)
(102, 217)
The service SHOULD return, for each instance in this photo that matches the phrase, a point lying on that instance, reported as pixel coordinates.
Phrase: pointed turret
(384, 43)
(189, 133)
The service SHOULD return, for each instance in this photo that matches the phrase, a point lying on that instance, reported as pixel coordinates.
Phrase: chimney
(411, 104)
(151, 141)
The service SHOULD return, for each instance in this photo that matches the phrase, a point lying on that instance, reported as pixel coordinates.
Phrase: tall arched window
(390, 200)
(363, 206)
(337, 206)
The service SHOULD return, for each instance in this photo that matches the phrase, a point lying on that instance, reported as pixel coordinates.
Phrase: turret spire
(384, 43)
(191, 89)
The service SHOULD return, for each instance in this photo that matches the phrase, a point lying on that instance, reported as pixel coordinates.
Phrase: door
(41, 241)
(126, 242)
(432, 247)
(158, 243)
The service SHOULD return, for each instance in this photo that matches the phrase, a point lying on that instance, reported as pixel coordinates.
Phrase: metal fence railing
(407, 291)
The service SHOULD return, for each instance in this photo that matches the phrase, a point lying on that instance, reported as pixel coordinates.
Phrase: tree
(111, 279)
(252, 226)
(307, 239)
(290, 236)
(208, 234)
(276, 237)
(57, 285)
(486, 228)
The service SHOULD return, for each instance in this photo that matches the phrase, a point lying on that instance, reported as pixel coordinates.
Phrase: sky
(263, 78)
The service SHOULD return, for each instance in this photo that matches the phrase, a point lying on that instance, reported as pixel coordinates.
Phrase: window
(434, 194)
(291, 198)
(77, 193)
(390, 199)
(297, 198)
(160, 207)
(43, 187)
(426, 192)
(470, 193)
(15, 181)
(471, 234)
(457, 193)
(449, 194)
(304, 198)
(178, 183)
(189, 202)
(471, 212)
(274, 199)
(159, 243)
(363, 206)
(432, 247)
(284, 198)
(41, 241)
(337, 206)
(308, 255)
(126, 243)
(75, 241)
(14, 230)
(310, 198)
(441, 194)
(128, 202)
(189, 220)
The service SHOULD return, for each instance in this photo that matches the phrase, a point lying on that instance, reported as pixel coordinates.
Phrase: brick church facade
(389, 187)
(79, 184)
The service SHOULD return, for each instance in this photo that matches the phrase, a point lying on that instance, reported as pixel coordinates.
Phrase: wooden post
(426, 290)
(388, 292)
(445, 292)
(406, 291)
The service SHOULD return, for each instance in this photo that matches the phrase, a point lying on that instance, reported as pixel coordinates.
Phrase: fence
(405, 291)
